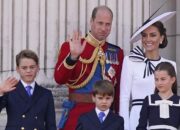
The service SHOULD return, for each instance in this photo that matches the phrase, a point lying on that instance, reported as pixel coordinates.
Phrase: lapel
(29, 100)
(94, 118)
(22, 92)
(109, 119)
(35, 97)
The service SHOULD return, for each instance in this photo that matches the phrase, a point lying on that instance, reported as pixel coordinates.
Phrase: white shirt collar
(31, 84)
(105, 112)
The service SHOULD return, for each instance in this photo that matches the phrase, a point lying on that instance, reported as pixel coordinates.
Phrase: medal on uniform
(111, 58)
(111, 72)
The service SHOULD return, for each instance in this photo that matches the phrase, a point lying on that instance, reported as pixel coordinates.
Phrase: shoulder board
(112, 47)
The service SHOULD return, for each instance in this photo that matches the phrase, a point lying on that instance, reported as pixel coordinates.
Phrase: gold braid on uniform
(102, 59)
(81, 74)
(88, 61)
(97, 56)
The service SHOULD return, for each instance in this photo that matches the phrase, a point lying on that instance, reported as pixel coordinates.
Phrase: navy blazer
(29, 113)
(90, 121)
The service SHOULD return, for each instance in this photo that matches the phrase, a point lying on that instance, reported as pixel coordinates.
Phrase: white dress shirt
(105, 112)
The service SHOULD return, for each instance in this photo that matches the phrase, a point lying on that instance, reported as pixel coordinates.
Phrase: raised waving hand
(76, 47)
(8, 85)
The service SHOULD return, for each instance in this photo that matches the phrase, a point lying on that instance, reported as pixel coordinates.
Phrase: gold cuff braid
(68, 66)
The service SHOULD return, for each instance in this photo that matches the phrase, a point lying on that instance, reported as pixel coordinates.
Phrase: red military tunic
(99, 60)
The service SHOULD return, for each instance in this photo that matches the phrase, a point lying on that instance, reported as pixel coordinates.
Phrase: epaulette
(112, 47)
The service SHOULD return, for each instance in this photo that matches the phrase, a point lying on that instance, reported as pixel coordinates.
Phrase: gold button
(22, 128)
(23, 116)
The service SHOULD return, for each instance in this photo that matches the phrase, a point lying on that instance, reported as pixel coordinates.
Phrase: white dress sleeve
(125, 90)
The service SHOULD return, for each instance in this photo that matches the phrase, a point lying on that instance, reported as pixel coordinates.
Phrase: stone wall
(60, 93)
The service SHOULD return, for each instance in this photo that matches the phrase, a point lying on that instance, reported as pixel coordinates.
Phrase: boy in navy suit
(28, 105)
(101, 118)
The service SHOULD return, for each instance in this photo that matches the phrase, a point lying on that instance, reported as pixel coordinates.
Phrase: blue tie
(100, 116)
(28, 89)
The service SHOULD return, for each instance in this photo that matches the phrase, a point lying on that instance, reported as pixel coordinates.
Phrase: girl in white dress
(137, 78)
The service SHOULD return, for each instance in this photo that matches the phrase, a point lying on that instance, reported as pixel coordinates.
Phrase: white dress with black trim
(158, 114)
(137, 81)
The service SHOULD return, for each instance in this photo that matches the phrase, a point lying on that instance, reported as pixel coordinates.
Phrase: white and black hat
(163, 17)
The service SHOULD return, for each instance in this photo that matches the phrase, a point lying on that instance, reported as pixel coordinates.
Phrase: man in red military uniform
(83, 61)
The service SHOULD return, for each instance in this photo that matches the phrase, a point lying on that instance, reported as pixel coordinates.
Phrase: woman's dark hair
(169, 68)
(159, 25)
(162, 30)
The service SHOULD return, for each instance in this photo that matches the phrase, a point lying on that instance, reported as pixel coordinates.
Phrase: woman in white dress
(137, 78)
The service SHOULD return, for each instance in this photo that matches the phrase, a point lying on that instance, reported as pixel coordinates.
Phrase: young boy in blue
(101, 118)
(161, 111)
(29, 106)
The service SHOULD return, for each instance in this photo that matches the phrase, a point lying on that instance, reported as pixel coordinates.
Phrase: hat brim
(163, 17)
